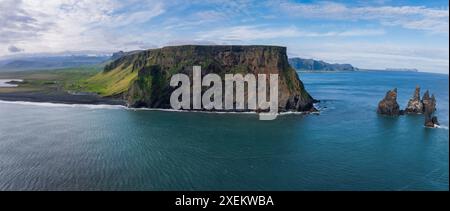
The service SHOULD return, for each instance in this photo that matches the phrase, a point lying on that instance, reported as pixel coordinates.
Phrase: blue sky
(367, 34)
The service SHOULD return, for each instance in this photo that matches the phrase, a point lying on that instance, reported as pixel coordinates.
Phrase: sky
(369, 34)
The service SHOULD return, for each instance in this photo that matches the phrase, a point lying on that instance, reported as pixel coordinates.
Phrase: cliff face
(154, 68)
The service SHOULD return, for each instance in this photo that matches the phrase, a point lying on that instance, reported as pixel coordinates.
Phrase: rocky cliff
(314, 65)
(142, 78)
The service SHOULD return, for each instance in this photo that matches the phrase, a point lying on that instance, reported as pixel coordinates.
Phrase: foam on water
(105, 106)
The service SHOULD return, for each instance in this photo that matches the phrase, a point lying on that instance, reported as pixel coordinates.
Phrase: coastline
(91, 100)
(294, 139)
(60, 98)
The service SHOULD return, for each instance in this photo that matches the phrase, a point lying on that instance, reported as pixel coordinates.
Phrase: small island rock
(415, 105)
(389, 105)
(429, 107)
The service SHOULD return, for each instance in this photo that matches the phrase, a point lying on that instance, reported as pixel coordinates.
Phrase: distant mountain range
(402, 69)
(51, 62)
(315, 65)
(60, 61)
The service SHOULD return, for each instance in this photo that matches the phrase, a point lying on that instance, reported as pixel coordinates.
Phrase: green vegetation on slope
(142, 78)
(110, 83)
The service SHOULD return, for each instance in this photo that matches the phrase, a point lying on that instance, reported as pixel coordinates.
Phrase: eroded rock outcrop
(426, 106)
(154, 68)
(429, 107)
(415, 105)
(389, 106)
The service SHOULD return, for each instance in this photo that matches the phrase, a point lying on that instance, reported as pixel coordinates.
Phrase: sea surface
(346, 147)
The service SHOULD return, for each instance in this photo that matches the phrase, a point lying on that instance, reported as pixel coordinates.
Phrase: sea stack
(429, 107)
(389, 106)
(415, 105)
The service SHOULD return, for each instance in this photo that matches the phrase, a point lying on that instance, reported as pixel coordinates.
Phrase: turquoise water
(347, 147)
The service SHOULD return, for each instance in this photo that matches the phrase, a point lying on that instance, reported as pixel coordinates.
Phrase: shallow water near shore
(347, 147)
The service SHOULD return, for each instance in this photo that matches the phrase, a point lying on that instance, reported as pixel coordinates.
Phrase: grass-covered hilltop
(141, 78)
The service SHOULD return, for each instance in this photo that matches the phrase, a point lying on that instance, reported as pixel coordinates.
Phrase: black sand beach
(60, 97)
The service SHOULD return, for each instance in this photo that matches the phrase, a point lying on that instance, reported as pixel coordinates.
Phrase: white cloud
(17, 23)
(109, 25)
(249, 33)
(60, 25)
(411, 17)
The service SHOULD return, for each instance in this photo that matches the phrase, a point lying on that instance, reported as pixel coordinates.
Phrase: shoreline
(60, 98)
(92, 101)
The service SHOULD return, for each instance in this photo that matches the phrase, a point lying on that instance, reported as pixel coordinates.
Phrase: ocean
(348, 146)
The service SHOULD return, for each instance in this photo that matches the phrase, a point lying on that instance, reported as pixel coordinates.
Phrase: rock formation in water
(429, 107)
(415, 105)
(142, 78)
(389, 106)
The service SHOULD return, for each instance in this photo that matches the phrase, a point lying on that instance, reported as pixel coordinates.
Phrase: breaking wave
(63, 105)
(445, 127)
(105, 106)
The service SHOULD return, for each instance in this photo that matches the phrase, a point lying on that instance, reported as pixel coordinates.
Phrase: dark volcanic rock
(389, 105)
(415, 105)
(434, 120)
(429, 107)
